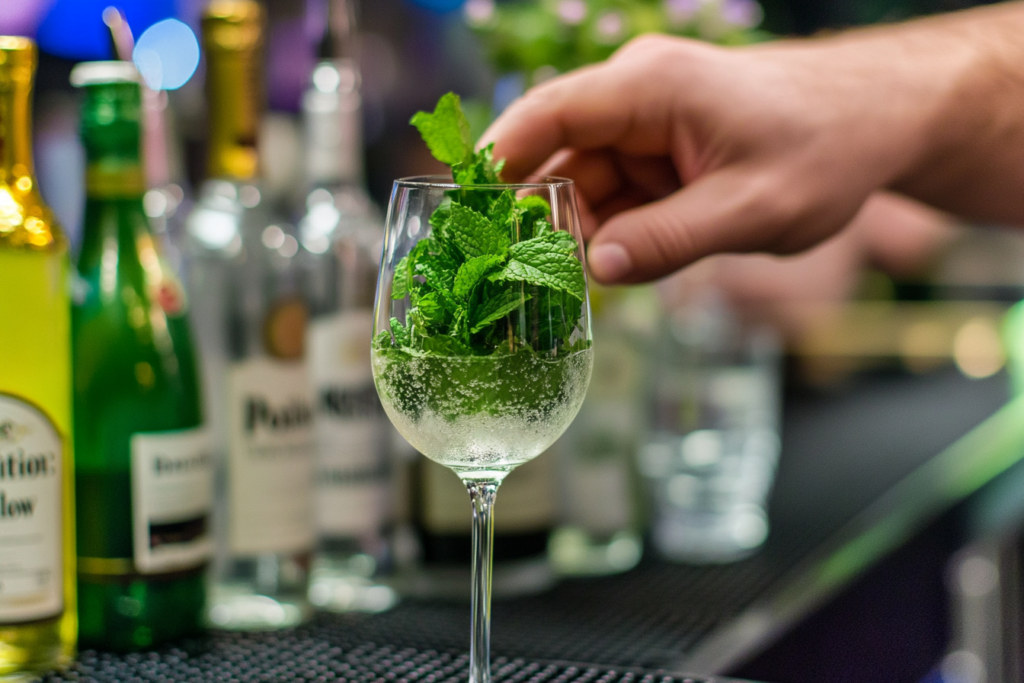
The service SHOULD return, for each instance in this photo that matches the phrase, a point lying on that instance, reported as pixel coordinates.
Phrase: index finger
(605, 105)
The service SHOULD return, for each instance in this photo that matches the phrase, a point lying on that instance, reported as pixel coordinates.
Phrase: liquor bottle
(37, 544)
(341, 235)
(600, 485)
(250, 318)
(144, 473)
(524, 520)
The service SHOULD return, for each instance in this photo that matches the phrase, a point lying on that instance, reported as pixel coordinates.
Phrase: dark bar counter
(866, 471)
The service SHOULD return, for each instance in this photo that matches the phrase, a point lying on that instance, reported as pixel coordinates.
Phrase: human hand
(680, 149)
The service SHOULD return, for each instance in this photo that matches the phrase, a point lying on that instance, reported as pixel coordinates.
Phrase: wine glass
(482, 346)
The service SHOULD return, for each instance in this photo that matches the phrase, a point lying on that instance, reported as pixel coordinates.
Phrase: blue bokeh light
(167, 54)
(440, 6)
(74, 29)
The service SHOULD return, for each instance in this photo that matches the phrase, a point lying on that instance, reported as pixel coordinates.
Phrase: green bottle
(143, 469)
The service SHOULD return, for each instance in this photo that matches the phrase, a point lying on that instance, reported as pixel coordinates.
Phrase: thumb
(732, 210)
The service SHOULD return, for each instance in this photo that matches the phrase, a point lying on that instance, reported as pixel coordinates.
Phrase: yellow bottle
(37, 568)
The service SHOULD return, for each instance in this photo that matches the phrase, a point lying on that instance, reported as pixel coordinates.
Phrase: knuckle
(650, 47)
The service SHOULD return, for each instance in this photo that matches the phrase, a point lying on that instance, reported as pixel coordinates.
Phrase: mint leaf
(488, 255)
(541, 228)
(399, 332)
(559, 241)
(474, 234)
(497, 308)
(446, 131)
(478, 168)
(546, 261)
(473, 271)
(402, 280)
(437, 270)
(445, 346)
(557, 314)
(433, 310)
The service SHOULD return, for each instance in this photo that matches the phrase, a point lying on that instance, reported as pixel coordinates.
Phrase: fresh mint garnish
(493, 277)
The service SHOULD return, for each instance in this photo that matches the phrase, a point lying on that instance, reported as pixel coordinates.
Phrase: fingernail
(609, 262)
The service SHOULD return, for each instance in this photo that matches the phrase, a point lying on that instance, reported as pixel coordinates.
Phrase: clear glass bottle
(600, 488)
(37, 605)
(341, 235)
(144, 475)
(249, 315)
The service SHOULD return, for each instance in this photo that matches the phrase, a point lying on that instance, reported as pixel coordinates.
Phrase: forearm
(955, 108)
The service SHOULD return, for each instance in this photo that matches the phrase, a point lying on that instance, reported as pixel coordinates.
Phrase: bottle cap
(99, 73)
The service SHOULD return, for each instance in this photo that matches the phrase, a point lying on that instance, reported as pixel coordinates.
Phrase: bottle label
(270, 466)
(526, 500)
(31, 514)
(172, 500)
(351, 467)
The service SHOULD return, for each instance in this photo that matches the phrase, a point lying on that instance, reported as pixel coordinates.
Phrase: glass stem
(481, 493)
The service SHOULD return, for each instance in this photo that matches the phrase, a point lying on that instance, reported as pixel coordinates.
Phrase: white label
(31, 526)
(526, 500)
(270, 467)
(172, 497)
(351, 471)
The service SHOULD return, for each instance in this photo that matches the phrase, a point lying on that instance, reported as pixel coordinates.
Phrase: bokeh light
(167, 54)
(74, 29)
(439, 5)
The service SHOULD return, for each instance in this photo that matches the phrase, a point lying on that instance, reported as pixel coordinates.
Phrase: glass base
(576, 552)
(711, 537)
(346, 583)
(511, 579)
(261, 593)
(237, 608)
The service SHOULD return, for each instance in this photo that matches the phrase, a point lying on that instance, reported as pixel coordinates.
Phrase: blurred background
(705, 384)
(410, 52)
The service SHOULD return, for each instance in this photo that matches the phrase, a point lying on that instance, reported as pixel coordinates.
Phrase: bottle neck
(25, 220)
(332, 109)
(114, 172)
(115, 183)
(235, 104)
(16, 129)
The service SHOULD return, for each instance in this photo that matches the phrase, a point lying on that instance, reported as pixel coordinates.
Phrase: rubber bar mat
(301, 656)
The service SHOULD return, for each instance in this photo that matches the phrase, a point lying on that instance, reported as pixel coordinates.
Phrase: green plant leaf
(478, 168)
(546, 261)
(473, 271)
(402, 280)
(437, 269)
(399, 332)
(488, 254)
(433, 310)
(446, 131)
(474, 233)
(497, 308)
(443, 345)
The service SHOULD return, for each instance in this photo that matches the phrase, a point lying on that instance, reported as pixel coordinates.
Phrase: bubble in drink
(482, 416)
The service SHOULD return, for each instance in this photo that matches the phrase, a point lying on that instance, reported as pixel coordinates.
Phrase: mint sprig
(492, 277)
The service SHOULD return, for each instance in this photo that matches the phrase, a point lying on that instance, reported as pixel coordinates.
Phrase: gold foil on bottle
(233, 40)
(25, 221)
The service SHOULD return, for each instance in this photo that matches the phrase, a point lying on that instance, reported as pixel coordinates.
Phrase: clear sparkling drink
(482, 416)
